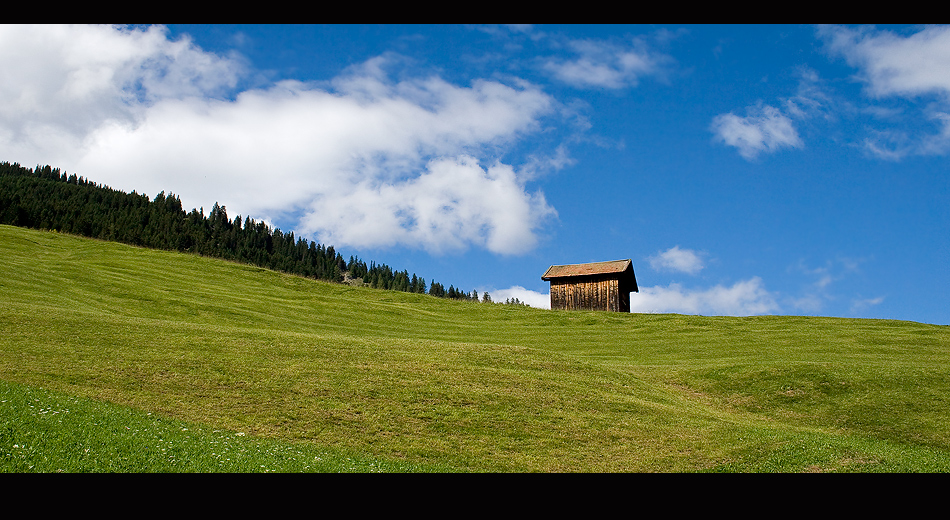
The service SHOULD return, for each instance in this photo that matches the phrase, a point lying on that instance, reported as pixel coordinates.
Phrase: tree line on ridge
(47, 198)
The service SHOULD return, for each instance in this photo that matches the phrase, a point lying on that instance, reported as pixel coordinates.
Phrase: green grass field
(244, 369)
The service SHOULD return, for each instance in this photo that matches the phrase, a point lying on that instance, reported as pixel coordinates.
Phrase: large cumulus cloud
(360, 160)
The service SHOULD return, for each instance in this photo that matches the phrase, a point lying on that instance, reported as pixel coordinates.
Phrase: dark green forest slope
(46, 198)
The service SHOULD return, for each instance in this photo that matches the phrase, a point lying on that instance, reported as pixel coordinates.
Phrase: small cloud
(858, 306)
(537, 165)
(812, 98)
(603, 64)
(520, 27)
(888, 145)
(765, 129)
(820, 290)
(676, 259)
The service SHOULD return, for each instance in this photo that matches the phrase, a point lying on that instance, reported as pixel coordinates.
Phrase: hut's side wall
(595, 293)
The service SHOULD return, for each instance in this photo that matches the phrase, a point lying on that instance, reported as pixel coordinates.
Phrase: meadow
(125, 359)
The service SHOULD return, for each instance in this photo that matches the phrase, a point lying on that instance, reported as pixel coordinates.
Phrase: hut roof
(564, 271)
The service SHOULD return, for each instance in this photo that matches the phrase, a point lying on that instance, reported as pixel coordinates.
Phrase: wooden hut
(599, 286)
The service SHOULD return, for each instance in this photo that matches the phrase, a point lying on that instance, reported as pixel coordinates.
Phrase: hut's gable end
(600, 286)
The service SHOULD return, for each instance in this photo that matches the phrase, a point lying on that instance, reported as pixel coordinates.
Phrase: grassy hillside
(433, 383)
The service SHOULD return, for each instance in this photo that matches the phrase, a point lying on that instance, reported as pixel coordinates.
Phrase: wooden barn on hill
(599, 286)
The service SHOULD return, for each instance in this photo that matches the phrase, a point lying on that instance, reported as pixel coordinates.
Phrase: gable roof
(612, 267)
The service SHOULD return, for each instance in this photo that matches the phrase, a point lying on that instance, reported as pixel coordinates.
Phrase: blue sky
(744, 169)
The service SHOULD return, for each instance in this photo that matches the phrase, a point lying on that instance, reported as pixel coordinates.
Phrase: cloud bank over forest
(362, 160)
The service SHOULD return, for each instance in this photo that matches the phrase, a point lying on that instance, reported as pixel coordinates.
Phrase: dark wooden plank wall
(588, 293)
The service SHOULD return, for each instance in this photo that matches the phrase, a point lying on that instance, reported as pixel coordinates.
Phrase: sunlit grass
(394, 376)
(43, 431)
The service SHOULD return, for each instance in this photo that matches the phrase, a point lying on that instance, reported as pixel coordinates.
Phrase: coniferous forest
(48, 199)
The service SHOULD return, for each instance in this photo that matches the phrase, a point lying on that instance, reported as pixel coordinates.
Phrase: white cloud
(907, 67)
(895, 65)
(744, 298)
(606, 64)
(768, 129)
(676, 259)
(368, 161)
(765, 129)
(63, 82)
(532, 298)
